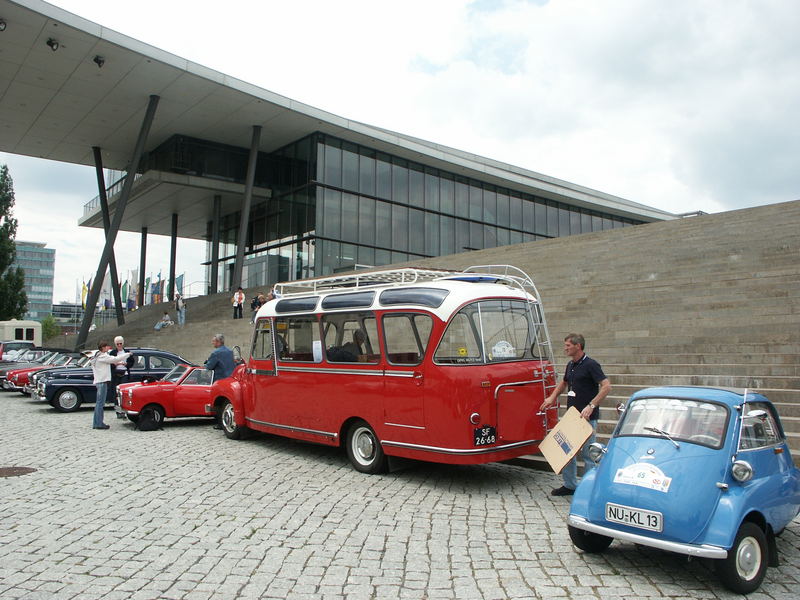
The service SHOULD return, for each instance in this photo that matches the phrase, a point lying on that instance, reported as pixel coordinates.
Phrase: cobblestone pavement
(186, 513)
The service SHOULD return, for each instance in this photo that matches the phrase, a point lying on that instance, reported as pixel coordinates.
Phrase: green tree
(13, 299)
(50, 328)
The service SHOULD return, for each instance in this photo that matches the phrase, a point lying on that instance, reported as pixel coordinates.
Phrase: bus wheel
(227, 419)
(364, 449)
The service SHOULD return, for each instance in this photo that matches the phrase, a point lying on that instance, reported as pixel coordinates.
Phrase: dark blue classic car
(704, 472)
(67, 389)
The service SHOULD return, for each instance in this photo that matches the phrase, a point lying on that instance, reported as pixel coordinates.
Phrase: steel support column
(244, 222)
(142, 295)
(213, 284)
(111, 236)
(173, 250)
(112, 263)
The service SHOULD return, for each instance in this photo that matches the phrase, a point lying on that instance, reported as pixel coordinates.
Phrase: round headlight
(596, 451)
(742, 471)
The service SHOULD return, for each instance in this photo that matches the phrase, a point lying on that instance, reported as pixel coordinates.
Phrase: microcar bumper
(703, 550)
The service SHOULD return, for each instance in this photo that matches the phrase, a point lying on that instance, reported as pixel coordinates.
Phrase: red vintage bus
(440, 366)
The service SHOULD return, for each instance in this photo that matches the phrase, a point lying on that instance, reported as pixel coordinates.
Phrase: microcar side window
(759, 427)
(679, 419)
(296, 338)
(407, 336)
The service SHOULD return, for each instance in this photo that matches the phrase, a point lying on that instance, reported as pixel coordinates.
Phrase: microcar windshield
(676, 419)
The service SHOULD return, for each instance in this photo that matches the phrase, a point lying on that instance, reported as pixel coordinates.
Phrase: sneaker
(562, 491)
(103, 426)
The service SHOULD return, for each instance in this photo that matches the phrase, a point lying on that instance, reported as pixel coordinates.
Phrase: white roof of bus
(460, 293)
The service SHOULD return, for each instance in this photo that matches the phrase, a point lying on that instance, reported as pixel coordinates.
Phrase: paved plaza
(186, 513)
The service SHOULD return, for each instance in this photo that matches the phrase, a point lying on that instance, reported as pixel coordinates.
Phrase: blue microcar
(699, 471)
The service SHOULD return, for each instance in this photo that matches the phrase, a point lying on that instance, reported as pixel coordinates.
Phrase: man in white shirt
(101, 369)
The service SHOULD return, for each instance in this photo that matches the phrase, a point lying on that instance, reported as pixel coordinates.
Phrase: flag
(179, 284)
(84, 293)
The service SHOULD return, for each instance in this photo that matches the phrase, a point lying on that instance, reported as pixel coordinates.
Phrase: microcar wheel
(67, 400)
(744, 569)
(227, 419)
(364, 449)
(593, 543)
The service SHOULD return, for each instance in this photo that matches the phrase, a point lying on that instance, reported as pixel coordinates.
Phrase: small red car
(183, 392)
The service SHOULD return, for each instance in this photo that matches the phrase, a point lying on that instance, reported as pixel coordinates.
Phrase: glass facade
(337, 205)
(39, 264)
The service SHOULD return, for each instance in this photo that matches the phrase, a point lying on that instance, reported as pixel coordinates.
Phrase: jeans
(237, 311)
(570, 472)
(181, 317)
(99, 404)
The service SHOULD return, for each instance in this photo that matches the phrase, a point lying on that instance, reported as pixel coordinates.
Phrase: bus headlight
(742, 471)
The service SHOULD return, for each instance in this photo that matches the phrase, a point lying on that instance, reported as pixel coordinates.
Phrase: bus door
(261, 370)
(515, 375)
(406, 336)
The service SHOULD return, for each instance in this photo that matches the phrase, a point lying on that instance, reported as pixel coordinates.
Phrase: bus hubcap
(365, 445)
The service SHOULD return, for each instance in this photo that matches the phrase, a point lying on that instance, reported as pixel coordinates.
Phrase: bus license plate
(485, 436)
(634, 517)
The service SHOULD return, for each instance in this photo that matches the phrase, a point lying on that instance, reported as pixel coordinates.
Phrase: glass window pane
(399, 182)
(416, 186)
(349, 166)
(448, 235)
(528, 220)
(366, 220)
(416, 231)
(574, 222)
(475, 203)
(462, 235)
(563, 221)
(462, 198)
(597, 223)
(447, 194)
(399, 227)
(333, 214)
(540, 218)
(475, 236)
(432, 234)
(296, 338)
(502, 210)
(333, 166)
(586, 223)
(383, 222)
(366, 172)
(349, 218)
(351, 338)
(489, 206)
(406, 337)
(431, 191)
(459, 343)
(384, 177)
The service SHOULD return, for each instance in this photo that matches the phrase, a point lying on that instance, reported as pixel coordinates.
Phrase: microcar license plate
(485, 436)
(634, 517)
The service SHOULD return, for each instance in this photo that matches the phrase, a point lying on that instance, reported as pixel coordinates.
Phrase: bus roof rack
(504, 274)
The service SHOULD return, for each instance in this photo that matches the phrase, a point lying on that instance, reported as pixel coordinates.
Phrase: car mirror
(756, 414)
(620, 408)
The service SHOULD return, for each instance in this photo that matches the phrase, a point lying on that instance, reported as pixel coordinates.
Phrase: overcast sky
(683, 105)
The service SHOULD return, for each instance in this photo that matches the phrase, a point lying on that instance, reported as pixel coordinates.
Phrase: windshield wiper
(662, 432)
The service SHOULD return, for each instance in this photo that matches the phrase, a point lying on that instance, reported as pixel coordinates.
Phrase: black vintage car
(67, 389)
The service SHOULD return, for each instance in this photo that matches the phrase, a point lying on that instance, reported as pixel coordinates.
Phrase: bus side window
(262, 342)
(298, 335)
(406, 337)
(351, 337)
(459, 344)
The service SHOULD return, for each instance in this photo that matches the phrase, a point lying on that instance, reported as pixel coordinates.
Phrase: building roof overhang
(59, 104)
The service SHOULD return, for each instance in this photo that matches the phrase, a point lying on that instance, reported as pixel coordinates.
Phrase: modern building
(39, 264)
(278, 189)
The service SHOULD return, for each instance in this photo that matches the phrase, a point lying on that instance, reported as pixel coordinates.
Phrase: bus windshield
(490, 331)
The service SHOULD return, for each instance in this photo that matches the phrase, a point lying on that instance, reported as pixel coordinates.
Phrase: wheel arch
(347, 424)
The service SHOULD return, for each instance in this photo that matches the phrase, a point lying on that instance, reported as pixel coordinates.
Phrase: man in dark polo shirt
(586, 387)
